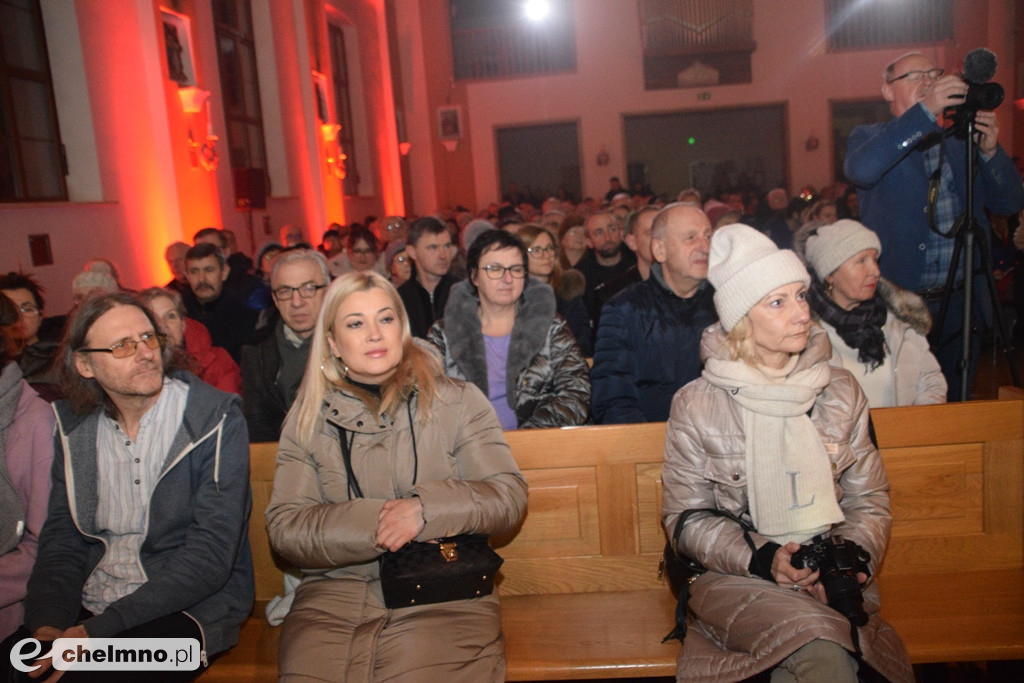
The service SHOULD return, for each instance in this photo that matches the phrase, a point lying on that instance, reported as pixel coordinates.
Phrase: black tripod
(966, 232)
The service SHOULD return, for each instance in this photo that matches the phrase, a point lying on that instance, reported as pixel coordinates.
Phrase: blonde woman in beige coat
(431, 461)
(775, 436)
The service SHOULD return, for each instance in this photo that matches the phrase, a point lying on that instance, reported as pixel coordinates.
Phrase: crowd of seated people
(534, 316)
(229, 314)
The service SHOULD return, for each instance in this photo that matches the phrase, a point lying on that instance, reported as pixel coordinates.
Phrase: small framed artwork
(449, 123)
(320, 97)
(178, 48)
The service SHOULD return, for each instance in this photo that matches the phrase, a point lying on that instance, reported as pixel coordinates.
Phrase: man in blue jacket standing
(892, 164)
(147, 528)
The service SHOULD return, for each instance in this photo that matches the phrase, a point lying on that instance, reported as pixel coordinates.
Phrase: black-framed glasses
(497, 272)
(126, 347)
(917, 75)
(540, 252)
(29, 309)
(307, 290)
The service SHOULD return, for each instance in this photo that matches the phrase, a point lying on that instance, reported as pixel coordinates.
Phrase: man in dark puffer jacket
(649, 338)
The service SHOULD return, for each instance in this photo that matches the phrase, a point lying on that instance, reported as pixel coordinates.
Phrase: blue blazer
(883, 161)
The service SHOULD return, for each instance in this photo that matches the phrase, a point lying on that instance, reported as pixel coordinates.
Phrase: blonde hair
(418, 370)
(740, 341)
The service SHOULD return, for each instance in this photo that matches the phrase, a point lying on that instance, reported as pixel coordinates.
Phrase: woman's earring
(336, 361)
(828, 289)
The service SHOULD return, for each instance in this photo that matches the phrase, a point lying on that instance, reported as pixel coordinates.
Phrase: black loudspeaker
(250, 188)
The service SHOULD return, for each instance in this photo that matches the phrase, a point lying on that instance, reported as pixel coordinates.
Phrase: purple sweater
(29, 451)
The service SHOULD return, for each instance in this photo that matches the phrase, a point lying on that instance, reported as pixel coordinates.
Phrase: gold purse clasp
(449, 552)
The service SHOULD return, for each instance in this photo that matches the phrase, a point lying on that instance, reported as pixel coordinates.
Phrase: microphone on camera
(979, 66)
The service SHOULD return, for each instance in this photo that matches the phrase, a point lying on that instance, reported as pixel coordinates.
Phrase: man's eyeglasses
(496, 272)
(29, 309)
(402, 259)
(917, 76)
(540, 252)
(307, 291)
(126, 348)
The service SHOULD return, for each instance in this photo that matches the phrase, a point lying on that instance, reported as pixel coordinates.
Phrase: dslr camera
(839, 561)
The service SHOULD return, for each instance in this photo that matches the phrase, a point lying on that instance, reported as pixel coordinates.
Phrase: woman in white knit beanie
(772, 443)
(877, 329)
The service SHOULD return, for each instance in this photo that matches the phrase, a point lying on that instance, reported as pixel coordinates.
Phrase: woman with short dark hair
(501, 331)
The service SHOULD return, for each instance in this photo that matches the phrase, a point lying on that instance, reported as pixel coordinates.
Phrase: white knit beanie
(744, 266)
(833, 244)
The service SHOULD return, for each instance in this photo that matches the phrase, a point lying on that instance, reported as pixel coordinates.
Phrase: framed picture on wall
(449, 123)
(178, 48)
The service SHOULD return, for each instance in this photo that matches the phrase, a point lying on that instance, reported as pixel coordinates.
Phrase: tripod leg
(998, 319)
(938, 324)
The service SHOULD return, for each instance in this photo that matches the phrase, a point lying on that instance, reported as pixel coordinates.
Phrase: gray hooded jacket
(195, 554)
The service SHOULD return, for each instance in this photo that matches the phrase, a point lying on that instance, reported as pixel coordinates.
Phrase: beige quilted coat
(741, 624)
(467, 481)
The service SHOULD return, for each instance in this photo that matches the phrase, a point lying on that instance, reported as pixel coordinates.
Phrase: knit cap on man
(744, 266)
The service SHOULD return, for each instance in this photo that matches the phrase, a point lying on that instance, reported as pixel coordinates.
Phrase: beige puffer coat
(467, 482)
(743, 624)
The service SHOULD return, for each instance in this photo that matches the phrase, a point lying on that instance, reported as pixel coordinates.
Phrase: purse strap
(354, 490)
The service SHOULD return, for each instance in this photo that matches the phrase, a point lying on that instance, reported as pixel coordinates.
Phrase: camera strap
(935, 185)
(679, 631)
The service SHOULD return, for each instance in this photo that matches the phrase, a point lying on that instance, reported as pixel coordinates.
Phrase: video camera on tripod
(982, 94)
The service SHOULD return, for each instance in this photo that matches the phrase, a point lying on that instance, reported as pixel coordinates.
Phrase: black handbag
(423, 572)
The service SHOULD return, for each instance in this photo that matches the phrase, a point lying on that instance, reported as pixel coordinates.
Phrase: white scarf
(789, 478)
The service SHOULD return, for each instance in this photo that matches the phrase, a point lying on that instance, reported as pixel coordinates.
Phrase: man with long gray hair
(147, 529)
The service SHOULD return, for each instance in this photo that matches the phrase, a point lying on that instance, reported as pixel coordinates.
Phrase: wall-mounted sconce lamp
(450, 145)
(603, 158)
(330, 131)
(335, 157)
(202, 153)
(193, 99)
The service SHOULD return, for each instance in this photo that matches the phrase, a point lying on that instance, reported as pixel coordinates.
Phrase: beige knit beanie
(833, 244)
(744, 266)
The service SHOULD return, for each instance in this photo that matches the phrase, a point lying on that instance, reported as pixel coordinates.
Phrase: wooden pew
(581, 596)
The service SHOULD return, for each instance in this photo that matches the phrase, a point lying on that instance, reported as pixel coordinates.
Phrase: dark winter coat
(647, 347)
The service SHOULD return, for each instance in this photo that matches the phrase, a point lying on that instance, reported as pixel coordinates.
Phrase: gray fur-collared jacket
(548, 379)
